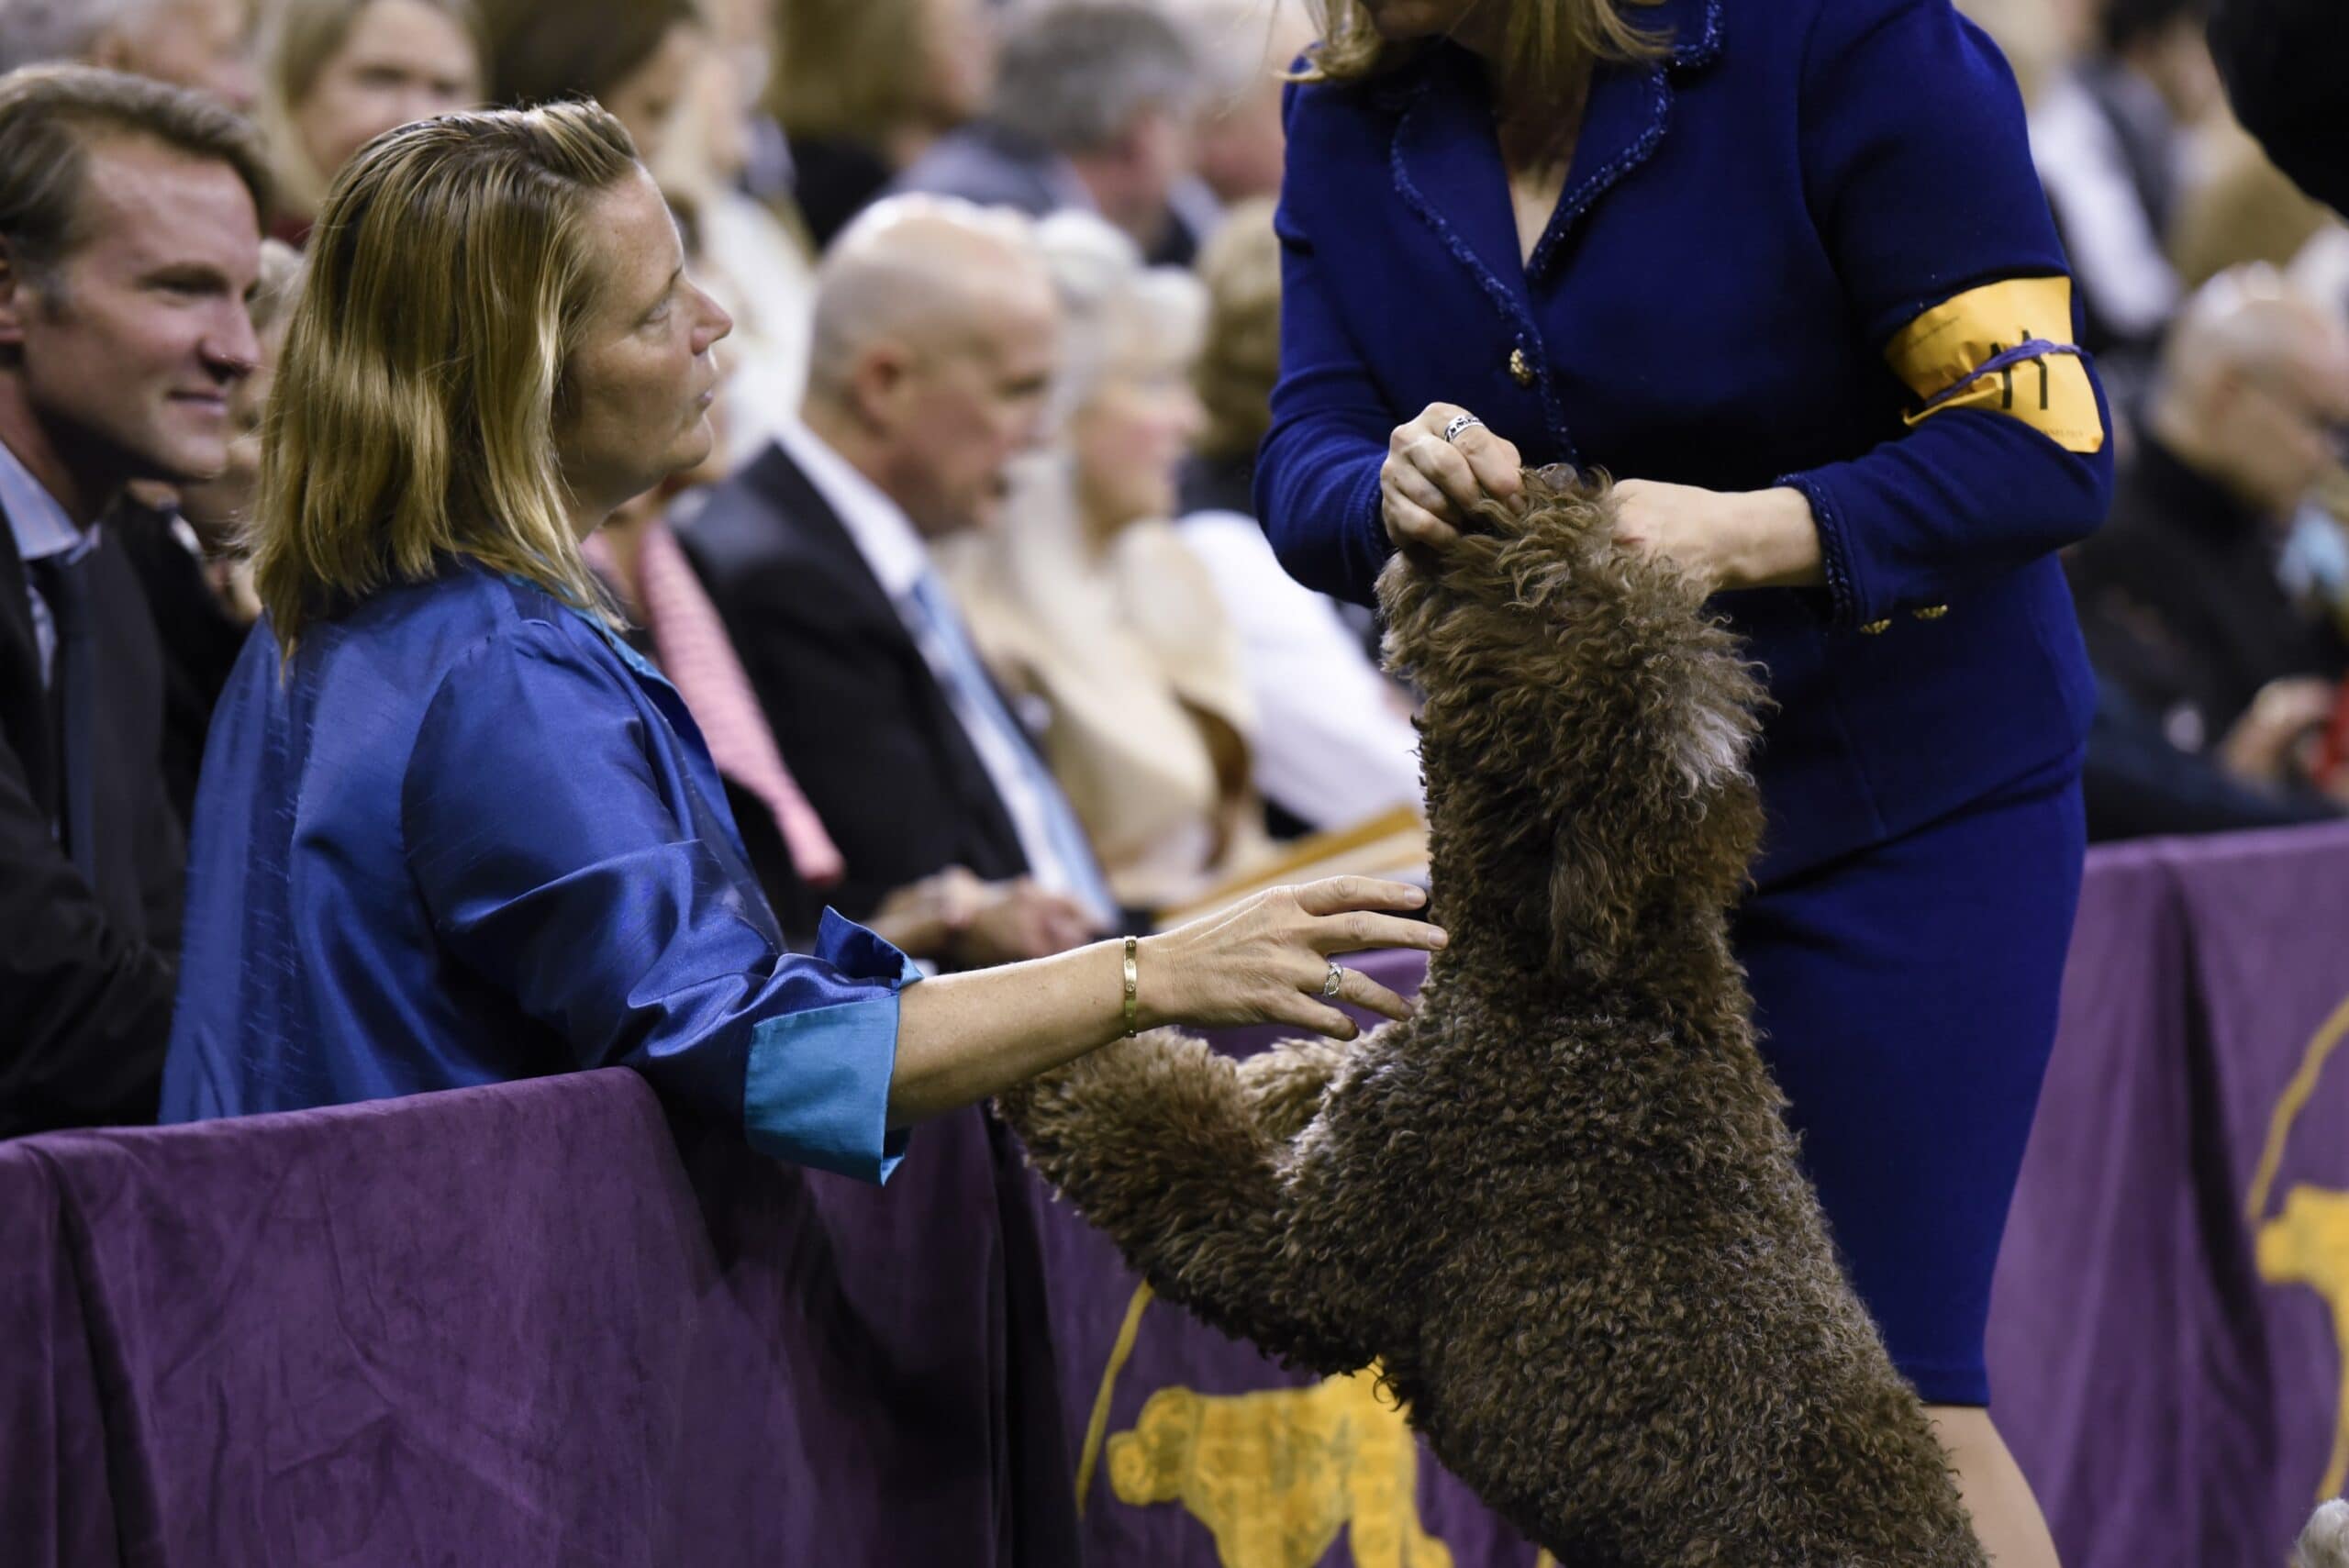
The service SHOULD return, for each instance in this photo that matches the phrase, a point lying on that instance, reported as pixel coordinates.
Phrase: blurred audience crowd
(2215, 600)
(969, 603)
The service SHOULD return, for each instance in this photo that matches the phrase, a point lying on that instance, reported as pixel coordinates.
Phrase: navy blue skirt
(1907, 1001)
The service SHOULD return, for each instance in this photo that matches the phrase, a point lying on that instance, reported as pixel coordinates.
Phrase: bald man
(2179, 595)
(934, 343)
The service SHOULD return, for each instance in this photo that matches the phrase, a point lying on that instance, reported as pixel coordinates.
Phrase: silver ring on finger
(1336, 982)
(1458, 423)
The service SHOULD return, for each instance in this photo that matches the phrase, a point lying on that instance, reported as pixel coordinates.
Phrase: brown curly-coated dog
(1559, 1204)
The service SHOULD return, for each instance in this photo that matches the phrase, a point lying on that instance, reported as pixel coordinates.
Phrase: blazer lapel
(1447, 165)
(1629, 112)
(1447, 168)
(792, 495)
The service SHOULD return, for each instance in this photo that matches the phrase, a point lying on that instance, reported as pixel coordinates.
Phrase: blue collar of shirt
(612, 640)
(39, 524)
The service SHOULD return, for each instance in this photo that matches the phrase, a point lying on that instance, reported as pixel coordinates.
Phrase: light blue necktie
(1067, 838)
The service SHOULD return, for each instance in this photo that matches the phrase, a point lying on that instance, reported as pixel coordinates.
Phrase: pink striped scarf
(691, 646)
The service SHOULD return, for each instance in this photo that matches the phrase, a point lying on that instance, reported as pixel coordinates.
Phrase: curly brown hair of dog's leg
(1157, 1142)
(1284, 1085)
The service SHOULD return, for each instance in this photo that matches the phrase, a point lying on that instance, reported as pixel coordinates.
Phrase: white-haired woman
(1089, 607)
(452, 830)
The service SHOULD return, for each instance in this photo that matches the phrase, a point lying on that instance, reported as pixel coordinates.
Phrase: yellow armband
(2005, 347)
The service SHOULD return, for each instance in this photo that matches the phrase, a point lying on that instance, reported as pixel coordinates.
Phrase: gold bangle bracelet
(1133, 988)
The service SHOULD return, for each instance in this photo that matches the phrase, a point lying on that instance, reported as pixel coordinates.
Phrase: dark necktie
(73, 692)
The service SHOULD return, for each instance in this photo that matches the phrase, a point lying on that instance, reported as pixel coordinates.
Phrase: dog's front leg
(1283, 1085)
(1160, 1142)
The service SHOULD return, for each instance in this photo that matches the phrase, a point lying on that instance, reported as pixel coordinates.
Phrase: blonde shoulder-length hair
(414, 412)
(1550, 43)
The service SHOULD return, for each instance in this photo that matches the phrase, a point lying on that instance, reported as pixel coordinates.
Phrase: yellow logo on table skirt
(2308, 1243)
(1276, 1473)
(1943, 355)
(1273, 1474)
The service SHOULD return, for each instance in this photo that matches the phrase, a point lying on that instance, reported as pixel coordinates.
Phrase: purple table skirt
(516, 1326)
(541, 1324)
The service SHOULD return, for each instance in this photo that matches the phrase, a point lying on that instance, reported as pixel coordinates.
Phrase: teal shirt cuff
(815, 1090)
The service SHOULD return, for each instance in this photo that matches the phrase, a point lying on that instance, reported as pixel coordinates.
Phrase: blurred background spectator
(935, 341)
(1245, 49)
(2282, 62)
(635, 57)
(203, 44)
(2181, 595)
(1088, 607)
(337, 74)
(1334, 743)
(2109, 133)
(1093, 109)
(862, 88)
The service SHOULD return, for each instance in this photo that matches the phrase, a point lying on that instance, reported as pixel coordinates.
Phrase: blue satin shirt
(1805, 246)
(469, 836)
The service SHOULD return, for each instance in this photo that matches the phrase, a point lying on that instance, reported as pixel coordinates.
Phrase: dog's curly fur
(1559, 1205)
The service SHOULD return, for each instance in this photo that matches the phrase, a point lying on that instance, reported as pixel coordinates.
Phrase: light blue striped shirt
(42, 529)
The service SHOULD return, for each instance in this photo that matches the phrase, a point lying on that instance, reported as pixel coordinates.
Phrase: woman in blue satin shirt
(452, 830)
(1782, 267)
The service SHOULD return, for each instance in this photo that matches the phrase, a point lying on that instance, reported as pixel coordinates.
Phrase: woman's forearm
(1264, 960)
(962, 1038)
(1779, 545)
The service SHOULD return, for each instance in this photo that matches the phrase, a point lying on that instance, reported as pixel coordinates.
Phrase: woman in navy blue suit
(1786, 271)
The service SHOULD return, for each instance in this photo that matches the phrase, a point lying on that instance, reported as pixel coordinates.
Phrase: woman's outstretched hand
(963, 1036)
(1266, 960)
(1427, 486)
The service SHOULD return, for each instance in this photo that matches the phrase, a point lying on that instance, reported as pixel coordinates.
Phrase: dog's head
(1587, 725)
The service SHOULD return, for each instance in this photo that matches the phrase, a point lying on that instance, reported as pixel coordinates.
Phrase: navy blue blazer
(1787, 254)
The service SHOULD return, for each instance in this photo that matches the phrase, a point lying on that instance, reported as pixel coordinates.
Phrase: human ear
(16, 299)
(883, 383)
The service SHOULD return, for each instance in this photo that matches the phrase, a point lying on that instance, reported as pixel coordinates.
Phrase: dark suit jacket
(87, 971)
(2181, 601)
(857, 716)
(199, 641)
(2137, 784)
(994, 166)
